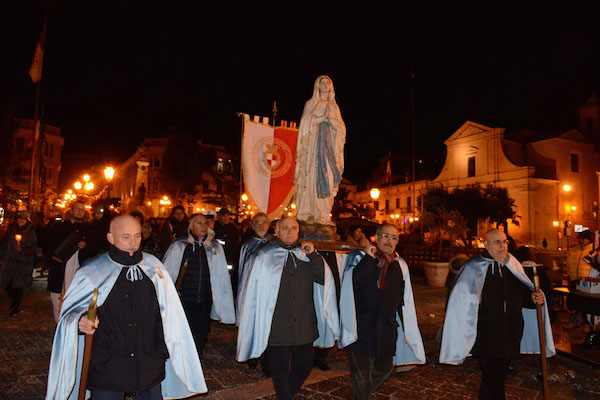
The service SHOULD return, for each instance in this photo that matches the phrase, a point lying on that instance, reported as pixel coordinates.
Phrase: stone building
(143, 168)
(16, 170)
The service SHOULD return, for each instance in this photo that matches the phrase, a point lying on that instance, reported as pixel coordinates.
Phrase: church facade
(554, 181)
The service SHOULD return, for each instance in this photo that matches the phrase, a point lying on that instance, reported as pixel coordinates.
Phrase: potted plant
(442, 225)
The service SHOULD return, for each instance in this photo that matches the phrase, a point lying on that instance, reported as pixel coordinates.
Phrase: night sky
(114, 74)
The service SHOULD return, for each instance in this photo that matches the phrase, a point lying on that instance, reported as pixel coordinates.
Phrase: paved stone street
(26, 340)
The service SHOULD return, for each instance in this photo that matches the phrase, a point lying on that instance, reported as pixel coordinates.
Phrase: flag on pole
(388, 169)
(269, 162)
(35, 71)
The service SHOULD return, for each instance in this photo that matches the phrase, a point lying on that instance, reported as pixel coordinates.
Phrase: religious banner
(269, 161)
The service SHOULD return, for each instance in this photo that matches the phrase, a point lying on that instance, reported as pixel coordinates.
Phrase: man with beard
(174, 227)
(197, 264)
(379, 321)
(142, 343)
(58, 238)
(490, 314)
(288, 306)
(17, 252)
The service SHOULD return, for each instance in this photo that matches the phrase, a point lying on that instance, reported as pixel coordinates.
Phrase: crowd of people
(159, 289)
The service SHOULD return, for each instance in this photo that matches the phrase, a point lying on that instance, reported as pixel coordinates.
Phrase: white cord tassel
(134, 273)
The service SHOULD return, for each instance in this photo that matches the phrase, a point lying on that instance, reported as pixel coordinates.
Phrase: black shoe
(252, 363)
(322, 365)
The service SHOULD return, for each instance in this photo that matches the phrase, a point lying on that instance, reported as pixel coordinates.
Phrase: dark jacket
(376, 308)
(129, 350)
(56, 270)
(500, 319)
(169, 231)
(294, 319)
(231, 236)
(18, 266)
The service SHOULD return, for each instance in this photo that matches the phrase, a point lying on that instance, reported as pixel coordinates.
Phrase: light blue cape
(184, 375)
(258, 304)
(460, 323)
(409, 344)
(247, 252)
(220, 283)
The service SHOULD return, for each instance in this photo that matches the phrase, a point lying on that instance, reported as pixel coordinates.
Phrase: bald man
(142, 343)
(288, 305)
(491, 315)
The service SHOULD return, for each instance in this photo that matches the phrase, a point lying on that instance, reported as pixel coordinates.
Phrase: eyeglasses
(388, 236)
(498, 242)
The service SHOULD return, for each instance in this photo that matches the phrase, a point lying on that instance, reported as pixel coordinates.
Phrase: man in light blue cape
(142, 345)
(198, 266)
(378, 317)
(260, 225)
(491, 314)
(289, 306)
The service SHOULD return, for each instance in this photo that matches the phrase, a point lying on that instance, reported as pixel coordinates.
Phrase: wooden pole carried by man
(87, 350)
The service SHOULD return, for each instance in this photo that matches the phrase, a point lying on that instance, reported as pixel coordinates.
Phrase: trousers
(288, 381)
(198, 316)
(493, 374)
(367, 373)
(154, 393)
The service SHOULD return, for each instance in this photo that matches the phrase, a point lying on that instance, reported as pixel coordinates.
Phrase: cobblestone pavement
(26, 340)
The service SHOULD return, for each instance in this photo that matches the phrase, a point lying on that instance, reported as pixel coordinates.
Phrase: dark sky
(114, 74)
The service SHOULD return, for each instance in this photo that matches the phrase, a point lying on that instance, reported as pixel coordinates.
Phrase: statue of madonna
(319, 155)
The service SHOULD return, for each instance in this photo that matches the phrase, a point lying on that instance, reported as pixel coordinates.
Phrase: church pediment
(468, 131)
(575, 136)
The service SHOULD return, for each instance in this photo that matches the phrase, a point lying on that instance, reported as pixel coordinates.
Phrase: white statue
(319, 155)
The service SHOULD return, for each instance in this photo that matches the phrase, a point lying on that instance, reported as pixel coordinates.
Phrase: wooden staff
(87, 352)
(540, 318)
(181, 275)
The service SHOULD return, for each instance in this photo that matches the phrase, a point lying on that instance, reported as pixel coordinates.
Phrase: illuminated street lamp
(77, 185)
(89, 186)
(573, 208)
(293, 206)
(244, 197)
(555, 223)
(86, 178)
(567, 188)
(109, 173)
(374, 193)
(165, 201)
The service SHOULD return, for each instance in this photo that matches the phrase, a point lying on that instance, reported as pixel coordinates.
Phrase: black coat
(376, 308)
(56, 270)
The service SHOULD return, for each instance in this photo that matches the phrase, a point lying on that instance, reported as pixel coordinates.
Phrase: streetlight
(244, 197)
(109, 173)
(89, 186)
(567, 188)
(374, 193)
(573, 208)
(77, 185)
(86, 178)
(555, 223)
